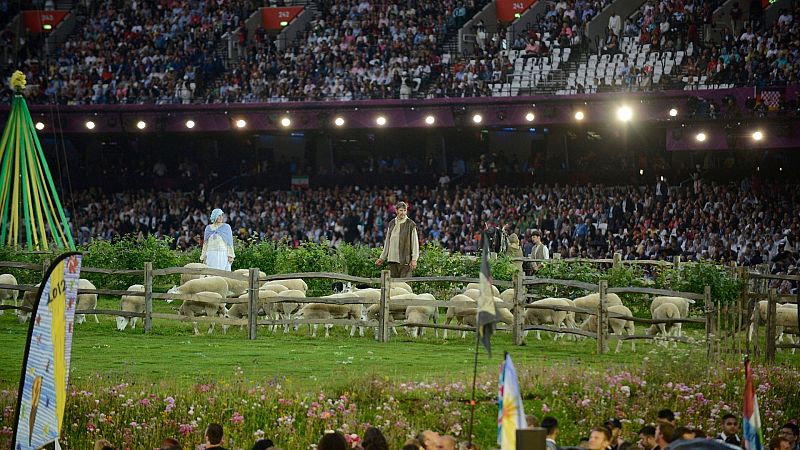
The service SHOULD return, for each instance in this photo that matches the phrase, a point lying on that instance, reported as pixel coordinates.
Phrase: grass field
(173, 358)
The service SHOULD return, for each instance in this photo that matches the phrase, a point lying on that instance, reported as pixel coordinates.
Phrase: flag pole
(474, 380)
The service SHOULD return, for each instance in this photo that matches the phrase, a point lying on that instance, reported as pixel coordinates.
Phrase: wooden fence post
(769, 353)
(617, 259)
(709, 322)
(384, 313)
(556, 255)
(602, 319)
(754, 339)
(252, 304)
(519, 308)
(676, 261)
(148, 297)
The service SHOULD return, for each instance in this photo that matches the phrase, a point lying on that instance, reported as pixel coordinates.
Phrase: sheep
(395, 312)
(286, 309)
(508, 295)
(240, 310)
(460, 312)
(186, 277)
(683, 304)
(28, 299)
(761, 310)
(207, 284)
(666, 310)
(86, 301)
(495, 291)
(421, 314)
(786, 322)
(9, 293)
(326, 311)
(275, 287)
(618, 326)
(536, 316)
(195, 308)
(683, 310)
(292, 283)
(592, 301)
(237, 287)
(131, 303)
(402, 285)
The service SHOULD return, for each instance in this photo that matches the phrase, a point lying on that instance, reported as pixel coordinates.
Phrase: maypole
(28, 196)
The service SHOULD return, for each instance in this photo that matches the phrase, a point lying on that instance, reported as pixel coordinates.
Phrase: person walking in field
(401, 249)
(218, 243)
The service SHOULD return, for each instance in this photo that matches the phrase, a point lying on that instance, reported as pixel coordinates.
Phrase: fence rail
(722, 322)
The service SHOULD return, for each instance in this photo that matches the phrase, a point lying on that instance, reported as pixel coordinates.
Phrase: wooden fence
(518, 306)
(758, 289)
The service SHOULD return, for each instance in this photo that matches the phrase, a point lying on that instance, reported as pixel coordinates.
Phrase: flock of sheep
(212, 294)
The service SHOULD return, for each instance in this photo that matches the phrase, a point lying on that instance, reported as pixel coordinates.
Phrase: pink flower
(237, 418)
(170, 404)
(185, 429)
(545, 408)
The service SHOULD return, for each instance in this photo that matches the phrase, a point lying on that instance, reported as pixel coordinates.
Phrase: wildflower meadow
(135, 414)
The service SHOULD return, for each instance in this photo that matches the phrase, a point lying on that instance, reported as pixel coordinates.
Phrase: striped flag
(753, 440)
(487, 314)
(510, 415)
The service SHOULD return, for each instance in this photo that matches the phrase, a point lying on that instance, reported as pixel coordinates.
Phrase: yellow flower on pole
(18, 81)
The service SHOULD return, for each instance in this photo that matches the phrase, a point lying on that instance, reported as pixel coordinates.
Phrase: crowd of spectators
(144, 51)
(664, 433)
(748, 52)
(750, 222)
(355, 50)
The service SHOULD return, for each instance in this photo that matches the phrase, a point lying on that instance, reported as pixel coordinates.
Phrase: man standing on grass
(401, 249)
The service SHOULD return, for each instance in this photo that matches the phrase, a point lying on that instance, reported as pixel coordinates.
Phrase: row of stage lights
(624, 114)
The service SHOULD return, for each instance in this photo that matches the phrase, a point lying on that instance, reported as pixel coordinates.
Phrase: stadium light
(39, 126)
(339, 121)
(90, 124)
(579, 115)
(624, 113)
(241, 123)
(529, 117)
(285, 122)
(141, 124)
(477, 118)
(701, 137)
(190, 124)
(430, 120)
(381, 120)
(758, 135)
(673, 112)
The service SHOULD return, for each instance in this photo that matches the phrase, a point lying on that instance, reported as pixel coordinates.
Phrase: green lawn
(172, 351)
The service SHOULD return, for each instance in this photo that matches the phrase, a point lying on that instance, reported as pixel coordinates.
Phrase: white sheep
(761, 310)
(133, 304)
(195, 308)
(592, 301)
(28, 299)
(508, 295)
(285, 310)
(559, 319)
(464, 307)
(186, 277)
(237, 287)
(618, 326)
(477, 286)
(292, 283)
(275, 287)
(402, 285)
(666, 310)
(240, 310)
(786, 322)
(682, 303)
(207, 284)
(395, 312)
(421, 314)
(8, 293)
(86, 301)
(327, 311)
